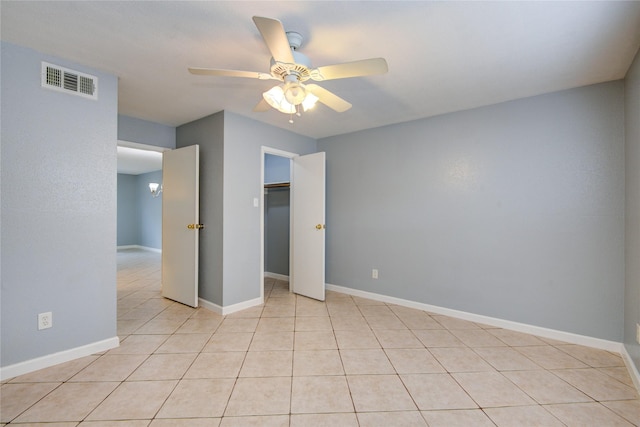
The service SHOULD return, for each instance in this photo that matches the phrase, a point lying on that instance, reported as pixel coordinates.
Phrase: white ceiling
(442, 56)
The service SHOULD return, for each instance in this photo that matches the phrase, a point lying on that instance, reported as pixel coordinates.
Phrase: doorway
(275, 215)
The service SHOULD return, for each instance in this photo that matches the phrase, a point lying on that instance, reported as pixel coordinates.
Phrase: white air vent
(70, 81)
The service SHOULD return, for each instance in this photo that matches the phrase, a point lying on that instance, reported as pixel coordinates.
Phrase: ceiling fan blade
(262, 106)
(364, 67)
(230, 73)
(329, 99)
(276, 39)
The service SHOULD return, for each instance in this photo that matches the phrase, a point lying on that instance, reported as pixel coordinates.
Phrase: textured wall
(58, 210)
(514, 211)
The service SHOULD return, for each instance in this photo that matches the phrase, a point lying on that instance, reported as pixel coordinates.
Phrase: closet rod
(277, 185)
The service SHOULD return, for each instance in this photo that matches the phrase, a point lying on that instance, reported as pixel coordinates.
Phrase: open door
(180, 224)
(308, 226)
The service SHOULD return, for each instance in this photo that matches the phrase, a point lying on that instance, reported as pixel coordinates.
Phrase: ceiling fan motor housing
(301, 68)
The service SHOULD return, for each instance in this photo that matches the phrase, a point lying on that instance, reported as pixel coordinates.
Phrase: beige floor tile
(314, 340)
(458, 418)
(238, 341)
(413, 361)
(324, 420)
(320, 394)
(453, 323)
(110, 423)
(230, 325)
(160, 326)
(379, 419)
(597, 385)
(313, 323)
(129, 326)
(358, 339)
(256, 421)
(197, 399)
(385, 321)
(185, 422)
(477, 338)
(224, 364)
(460, 359)
(310, 308)
(349, 323)
(317, 362)
(366, 301)
(163, 367)
(592, 356)
(506, 359)
(279, 310)
(523, 416)
(627, 409)
(437, 338)
(421, 321)
(267, 364)
(587, 414)
(492, 389)
(371, 393)
(404, 338)
(620, 373)
(545, 387)
(202, 325)
(260, 396)
(253, 312)
(69, 402)
(375, 310)
(343, 309)
(550, 357)
(139, 344)
(437, 392)
(57, 373)
(176, 311)
(134, 400)
(370, 361)
(276, 324)
(115, 367)
(16, 398)
(184, 343)
(514, 338)
(263, 341)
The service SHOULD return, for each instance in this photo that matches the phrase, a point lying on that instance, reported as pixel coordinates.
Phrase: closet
(276, 215)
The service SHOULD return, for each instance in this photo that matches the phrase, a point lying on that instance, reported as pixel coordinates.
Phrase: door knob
(320, 226)
(195, 226)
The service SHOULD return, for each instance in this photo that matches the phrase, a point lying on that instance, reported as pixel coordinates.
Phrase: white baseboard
(144, 248)
(277, 276)
(230, 308)
(631, 367)
(505, 324)
(49, 360)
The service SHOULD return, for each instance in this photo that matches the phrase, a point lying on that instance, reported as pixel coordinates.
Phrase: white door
(307, 226)
(180, 224)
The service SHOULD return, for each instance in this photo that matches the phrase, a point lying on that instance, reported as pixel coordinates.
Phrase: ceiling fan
(293, 69)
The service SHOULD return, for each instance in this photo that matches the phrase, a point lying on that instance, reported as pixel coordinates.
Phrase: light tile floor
(299, 362)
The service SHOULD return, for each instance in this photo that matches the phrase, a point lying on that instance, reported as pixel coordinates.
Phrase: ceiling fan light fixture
(275, 97)
(294, 93)
(309, 101)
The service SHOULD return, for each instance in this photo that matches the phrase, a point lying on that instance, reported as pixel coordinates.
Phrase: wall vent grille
(69, 81)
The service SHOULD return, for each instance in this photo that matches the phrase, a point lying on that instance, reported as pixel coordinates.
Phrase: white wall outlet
(374, 273)
(638, 333)
(45, 320)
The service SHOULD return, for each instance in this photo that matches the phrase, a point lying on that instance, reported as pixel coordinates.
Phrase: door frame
(281, 153)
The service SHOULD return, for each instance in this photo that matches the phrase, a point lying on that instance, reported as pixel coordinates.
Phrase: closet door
(308, 226)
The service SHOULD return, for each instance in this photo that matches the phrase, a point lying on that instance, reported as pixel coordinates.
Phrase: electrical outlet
(638, 332)
(45, 320)
(374, 273)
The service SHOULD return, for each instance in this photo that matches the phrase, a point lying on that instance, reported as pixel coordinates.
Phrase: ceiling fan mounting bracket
(295, 39)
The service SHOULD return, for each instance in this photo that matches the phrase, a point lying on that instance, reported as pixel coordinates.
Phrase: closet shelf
(277, 185)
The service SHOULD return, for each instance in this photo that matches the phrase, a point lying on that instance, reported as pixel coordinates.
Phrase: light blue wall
(230, 166)
(139, 214)
(632, 167)
(58, 209)
(514, 211)
(276, 169)
(145, 132)
(128, 227)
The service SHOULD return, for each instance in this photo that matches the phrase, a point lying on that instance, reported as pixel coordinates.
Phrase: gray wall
(139, 214)
(276, 230)
(128, 227)
(145, 132)
(632, 167)
(230, 165)
(514, 211)
(58, 209)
